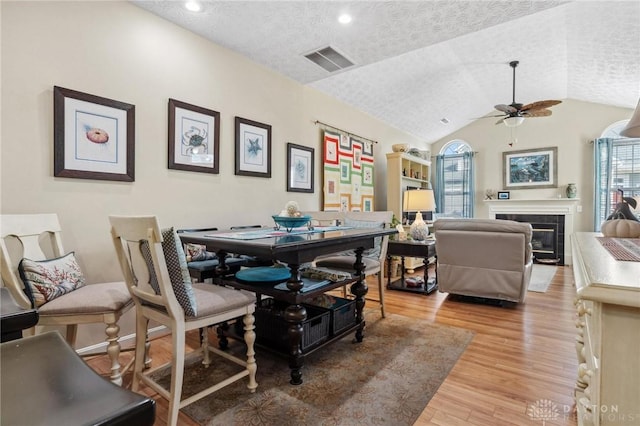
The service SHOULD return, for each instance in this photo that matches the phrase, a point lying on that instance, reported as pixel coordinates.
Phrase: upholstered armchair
(484, 258)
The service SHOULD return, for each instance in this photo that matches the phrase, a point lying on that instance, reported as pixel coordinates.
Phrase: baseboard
(126, 342)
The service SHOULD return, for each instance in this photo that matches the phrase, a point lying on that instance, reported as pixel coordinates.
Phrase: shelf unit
(405, 170)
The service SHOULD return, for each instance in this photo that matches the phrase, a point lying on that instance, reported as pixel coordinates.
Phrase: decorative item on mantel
(572, 191)
(490, 194)
(419, 200)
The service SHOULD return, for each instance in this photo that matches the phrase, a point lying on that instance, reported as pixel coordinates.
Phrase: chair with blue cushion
(155, 270)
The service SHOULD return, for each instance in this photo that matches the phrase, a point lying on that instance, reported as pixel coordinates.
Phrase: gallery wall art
(348, 173)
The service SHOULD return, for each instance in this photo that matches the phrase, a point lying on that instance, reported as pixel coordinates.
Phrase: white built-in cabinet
(607, 388)
(405, 171)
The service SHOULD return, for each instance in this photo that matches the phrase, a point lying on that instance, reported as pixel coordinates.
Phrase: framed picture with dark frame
(300, 160)
(194, 138)
(530, 168)
(253, 148)
(503, 195)
(93, 137)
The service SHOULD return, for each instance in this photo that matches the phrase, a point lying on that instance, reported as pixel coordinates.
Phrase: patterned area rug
(388, 379)
(627, 249)
(541, 276)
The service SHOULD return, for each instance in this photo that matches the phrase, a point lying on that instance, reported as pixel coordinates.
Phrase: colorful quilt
(348, 178)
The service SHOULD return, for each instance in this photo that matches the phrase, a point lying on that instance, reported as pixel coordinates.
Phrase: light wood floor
(519, 358)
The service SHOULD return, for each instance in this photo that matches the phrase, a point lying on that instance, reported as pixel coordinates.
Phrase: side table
(410, 248)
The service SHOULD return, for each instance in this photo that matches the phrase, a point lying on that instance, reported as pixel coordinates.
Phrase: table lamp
(419, 200)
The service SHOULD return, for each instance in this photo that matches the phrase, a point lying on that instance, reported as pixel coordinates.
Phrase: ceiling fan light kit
(513, 121)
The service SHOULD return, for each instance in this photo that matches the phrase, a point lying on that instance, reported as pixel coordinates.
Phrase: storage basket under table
(271, 327)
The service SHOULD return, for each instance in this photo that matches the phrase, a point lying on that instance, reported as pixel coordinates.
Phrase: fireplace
(552, 222)
(547, 241)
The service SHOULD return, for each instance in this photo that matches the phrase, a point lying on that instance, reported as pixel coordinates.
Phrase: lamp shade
(632, 129)
(419, 200)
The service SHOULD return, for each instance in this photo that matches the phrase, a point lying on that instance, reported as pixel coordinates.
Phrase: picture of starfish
(253, 147)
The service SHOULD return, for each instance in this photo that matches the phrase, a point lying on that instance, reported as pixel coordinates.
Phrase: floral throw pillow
(197, 252)
(47, 279)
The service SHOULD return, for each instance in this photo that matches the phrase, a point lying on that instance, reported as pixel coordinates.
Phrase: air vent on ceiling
(329, 59)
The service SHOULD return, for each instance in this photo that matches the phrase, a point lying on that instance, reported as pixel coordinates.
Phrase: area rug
(541, 276)
(388, 379)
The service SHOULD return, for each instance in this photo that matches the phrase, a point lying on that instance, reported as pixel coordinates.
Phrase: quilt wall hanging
(347, 173)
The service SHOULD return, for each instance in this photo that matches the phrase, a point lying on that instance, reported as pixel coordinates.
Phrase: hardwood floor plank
(518, 356)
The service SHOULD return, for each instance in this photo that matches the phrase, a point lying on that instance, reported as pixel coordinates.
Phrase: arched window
(455, 187)
(617, 171)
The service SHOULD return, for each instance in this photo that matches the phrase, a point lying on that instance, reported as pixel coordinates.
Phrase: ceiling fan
(515, 113)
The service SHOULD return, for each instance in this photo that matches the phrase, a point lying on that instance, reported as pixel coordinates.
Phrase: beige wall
(119, 51)
(571, 128)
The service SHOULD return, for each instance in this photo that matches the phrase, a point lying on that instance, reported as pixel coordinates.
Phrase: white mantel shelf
(552, 206)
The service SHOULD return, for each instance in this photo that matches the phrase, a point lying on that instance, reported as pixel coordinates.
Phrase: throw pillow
(197, 252)
(374, 252)
(47, 279)
(176, 267)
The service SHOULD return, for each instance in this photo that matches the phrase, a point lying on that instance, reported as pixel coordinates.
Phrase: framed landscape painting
(530, 168)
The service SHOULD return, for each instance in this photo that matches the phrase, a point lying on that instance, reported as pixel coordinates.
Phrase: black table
(295, 250)
(13, 318)
(410, 248)
(45, 382)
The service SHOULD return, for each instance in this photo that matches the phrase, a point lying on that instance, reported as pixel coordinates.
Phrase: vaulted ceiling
(417, 62)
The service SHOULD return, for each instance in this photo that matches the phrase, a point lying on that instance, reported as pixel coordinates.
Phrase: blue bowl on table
(289, 223)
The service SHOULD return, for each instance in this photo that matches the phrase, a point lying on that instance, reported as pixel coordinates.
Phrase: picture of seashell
(97, 135)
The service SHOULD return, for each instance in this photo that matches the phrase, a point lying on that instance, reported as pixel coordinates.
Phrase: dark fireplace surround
(547, 241)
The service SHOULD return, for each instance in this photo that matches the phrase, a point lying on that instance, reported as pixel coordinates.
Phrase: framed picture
(194, 138)
(503, 195)
(531, 168)
(300, 168)
(93, 137)
(253, 148)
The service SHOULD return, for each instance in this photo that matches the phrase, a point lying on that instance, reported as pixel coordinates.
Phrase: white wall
(571, 128)
(119, 51)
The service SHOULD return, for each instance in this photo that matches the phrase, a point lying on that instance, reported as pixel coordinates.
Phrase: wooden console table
(607, 389)
(295, 250)
(409, 248)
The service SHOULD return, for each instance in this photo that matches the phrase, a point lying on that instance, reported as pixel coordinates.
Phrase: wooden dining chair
(60, 301)
(374, 259)
(155, 270)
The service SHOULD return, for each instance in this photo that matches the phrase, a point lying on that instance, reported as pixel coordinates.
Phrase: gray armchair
(484, 258)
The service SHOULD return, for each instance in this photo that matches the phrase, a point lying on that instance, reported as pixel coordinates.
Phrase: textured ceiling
(417, 62)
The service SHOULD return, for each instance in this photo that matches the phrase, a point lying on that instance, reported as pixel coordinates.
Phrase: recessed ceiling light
(193, 6)
(345, 18)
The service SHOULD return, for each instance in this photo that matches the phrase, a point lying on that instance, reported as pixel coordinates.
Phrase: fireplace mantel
(554, 206)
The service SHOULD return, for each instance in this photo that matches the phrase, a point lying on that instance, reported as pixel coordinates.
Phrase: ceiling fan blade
(500, 121)
(540, 105)
(537, 113)
(506, 108)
